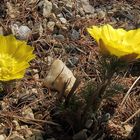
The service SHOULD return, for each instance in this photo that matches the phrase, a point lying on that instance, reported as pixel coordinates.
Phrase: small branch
(27, 119)
(128, 92)
(131, 117)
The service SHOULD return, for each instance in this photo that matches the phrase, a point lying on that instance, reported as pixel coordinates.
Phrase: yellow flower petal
(116, 42)
(14, 57)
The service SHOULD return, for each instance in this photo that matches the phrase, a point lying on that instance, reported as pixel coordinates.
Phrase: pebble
(37, 30)
(87, 7)
(2, 137)
(74, 35)
(1, 30)
(51, 25)
(89, 123)
(63, 20)
(24, 32)
(49, 60)
(59, 75)
(56, 9)
(47, 8)
(16, 136)
(81, 135)
(101, 14)
(28, 113)
(59, 37)
(73, 61)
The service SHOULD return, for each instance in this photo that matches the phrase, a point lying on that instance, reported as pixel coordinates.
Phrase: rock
(11, 10)
(24, 32)
(16, 136)
(81, 12)
(87, 7)
(1, 30)
(59, 37)
(16, 125)
(70, 48)
(49, 60)
(74, 35)
(28, 113)
(47, 8)
(56, 9)
(128, 128)
(63, 20)
(14, 29)
(73, 61)
(80, 135)
(69, 5)
(32, 1)
(2, 137)
(89, 123)
(51, 25)
(37, 30)
(59, 76)
(101, 14)
(36, 136)
(25, 131)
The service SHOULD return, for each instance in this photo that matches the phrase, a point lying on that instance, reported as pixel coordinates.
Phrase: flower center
(7, 64)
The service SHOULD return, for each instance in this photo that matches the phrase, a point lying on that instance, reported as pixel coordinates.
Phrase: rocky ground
(57, 29)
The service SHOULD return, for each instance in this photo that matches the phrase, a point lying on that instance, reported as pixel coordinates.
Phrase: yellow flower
(118, 42)
(14, 58)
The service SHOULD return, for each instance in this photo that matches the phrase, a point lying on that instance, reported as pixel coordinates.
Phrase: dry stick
(128, 92)
(131, 117)
(27, 119)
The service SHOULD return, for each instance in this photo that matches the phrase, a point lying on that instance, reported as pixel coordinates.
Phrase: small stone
(24, 32)
(51, 25)
(75, 35)
(60, 15)
(49, 60)
(81, 12)
(11, 10)
(16, 136)
(59, 76)
(47, 8)
(59, 37)
(128, 128)
(69, 5)
(73, 61)
(36, 136)
(16, 125)
(63, 20)
(56, 9)
(89, 123)
(2, 137)
(37, 30)
(32, 1)
(26, 131)
(101, 14)
(36, 76)
(81, 135)
(28, 113)
(1, 30)
(87, 7)
(34, 90)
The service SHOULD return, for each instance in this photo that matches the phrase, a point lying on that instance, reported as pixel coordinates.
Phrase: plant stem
(96, 99)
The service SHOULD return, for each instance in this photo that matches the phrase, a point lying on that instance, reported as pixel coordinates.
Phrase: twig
(132, 116)
(28, 119)
(128, 92)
